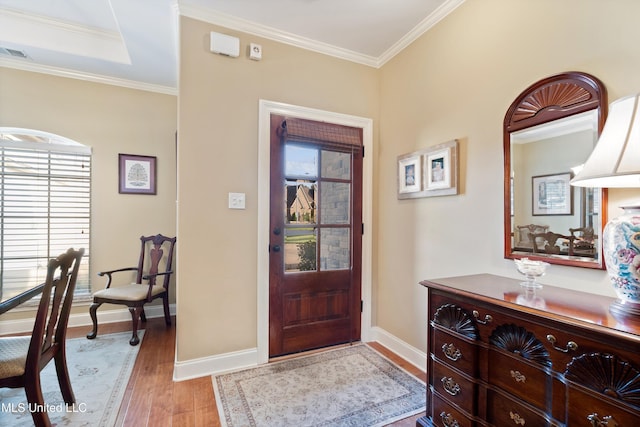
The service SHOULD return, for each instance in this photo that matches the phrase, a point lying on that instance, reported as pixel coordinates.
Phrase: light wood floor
(153, 399)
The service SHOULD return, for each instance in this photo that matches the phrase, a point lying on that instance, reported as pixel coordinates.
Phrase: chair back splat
(23, 357)
(155, 261)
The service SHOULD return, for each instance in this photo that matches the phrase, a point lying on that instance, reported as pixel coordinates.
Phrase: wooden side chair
(553, 243)
(22, 358)
(137, 294)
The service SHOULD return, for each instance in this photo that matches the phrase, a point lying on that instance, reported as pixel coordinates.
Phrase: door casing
(266, 108)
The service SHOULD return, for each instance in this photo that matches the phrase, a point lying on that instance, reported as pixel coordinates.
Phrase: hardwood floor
(152, 397)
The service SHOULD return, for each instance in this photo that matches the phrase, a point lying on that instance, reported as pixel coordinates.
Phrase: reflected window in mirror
(549, 132)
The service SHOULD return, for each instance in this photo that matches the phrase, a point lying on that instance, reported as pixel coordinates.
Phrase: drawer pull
(448, 420)
(517, 418)
(605, 421)
(451, 352)
(487, 319)
(516, 375)
(450, 386)
(571, 345)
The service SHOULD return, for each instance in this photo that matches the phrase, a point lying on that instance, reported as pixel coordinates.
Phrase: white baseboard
(83, 319)
(399, 347)
(243, 359)
(215, 365)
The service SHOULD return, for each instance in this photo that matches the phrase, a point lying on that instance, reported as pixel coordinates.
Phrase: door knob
(277, 231)
(275, 248)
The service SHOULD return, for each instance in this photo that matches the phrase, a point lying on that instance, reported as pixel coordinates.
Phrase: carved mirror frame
(552, 98)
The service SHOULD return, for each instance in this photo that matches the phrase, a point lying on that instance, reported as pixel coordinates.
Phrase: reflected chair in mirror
(152, 277)
(523, 241)
(585, 239)
(23, 357)
(552, 243)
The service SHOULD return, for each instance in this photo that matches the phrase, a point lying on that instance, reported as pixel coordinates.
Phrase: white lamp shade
(615, 162)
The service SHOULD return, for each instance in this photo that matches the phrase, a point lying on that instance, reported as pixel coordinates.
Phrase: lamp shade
(615, 161)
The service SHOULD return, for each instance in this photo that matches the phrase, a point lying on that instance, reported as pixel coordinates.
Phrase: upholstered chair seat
(13, 356)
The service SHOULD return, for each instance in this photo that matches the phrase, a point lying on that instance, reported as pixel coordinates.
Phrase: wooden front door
(315, 236)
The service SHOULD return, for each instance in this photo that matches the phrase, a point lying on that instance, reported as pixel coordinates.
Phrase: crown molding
(55, 34)
(425, 25)
(249, 27)
(234, 23)
(95, 78)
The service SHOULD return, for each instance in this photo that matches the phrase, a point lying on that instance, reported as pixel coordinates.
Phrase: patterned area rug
(352, 386)
(99, 371)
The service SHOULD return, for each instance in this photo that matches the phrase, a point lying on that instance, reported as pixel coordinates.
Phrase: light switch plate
(236, 200)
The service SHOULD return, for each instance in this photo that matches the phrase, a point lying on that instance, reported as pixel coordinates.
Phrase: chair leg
(143, 315)
(63, 377)
(36, 402)
(94, 318)
(135, 314)
(167, 314)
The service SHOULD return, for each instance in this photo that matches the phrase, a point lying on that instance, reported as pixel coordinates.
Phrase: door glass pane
(335, 252)
(300, 162)
(334, 202)
(300, 249)
(300, 199)
(336, 165)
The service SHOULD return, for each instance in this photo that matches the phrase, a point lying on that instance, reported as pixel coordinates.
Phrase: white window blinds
(45, 207)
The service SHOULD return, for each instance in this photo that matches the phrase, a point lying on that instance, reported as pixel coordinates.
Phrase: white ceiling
(134, 42)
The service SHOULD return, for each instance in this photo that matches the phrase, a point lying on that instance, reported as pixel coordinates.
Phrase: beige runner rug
(99, 370)
(349, 386)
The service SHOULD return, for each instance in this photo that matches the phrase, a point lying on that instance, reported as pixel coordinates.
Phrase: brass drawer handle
(487, 318)
(517, 418)
(597, 422)
(448, 420)
(518, 377)
(571, 345)
(450, 386)
(451, 352)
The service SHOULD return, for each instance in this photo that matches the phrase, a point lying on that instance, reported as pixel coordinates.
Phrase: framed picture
(551, 194)
(409, 174)
(137, 174)
(441, 166)
(429, 172)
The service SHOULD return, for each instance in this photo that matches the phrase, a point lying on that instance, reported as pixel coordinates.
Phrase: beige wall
(457, 81)
(110, 120)
(454, 82)
(217, 154)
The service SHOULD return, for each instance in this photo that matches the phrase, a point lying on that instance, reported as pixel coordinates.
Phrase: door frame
(266, 108)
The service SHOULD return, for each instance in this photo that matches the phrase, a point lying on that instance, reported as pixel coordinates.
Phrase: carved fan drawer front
(455, 351)
(454, 387)
(503, 411)
(445, 415)
(513, 374)
(588, 408)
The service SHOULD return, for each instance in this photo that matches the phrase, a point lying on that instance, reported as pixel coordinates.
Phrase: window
(45, 206)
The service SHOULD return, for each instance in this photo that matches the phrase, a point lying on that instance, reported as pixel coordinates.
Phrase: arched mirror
(549, 131)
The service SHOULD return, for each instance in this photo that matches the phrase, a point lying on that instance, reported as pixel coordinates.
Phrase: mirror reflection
(551, 217)
(549, 132)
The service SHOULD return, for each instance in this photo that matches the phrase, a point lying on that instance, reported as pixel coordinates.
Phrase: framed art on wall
(429, 172)
(552, 194)
(409, 174)
(137, 174)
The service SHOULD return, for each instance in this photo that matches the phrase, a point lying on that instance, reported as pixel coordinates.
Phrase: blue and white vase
(621, 249)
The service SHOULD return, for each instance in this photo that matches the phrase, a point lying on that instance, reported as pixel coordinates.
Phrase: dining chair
(23, 357)
(153, 264)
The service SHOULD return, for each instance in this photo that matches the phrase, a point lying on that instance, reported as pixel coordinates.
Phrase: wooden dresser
(498, 357)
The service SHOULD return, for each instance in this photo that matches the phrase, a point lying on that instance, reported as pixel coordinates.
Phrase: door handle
(275, 248)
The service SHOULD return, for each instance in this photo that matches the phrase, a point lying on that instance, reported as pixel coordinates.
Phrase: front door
(315, 236)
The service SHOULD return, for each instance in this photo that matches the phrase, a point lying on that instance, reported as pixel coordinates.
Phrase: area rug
(99, 370)
(352, 386)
